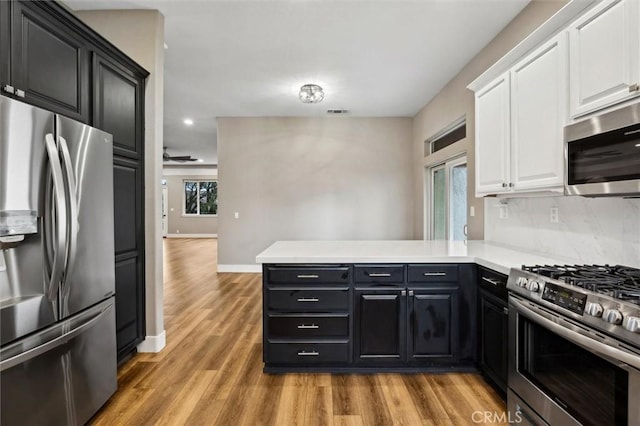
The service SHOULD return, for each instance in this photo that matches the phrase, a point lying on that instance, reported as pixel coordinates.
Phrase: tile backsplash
(588, 230)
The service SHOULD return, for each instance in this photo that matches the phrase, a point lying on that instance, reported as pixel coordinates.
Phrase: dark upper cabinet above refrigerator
(49, 63)
(5, 44)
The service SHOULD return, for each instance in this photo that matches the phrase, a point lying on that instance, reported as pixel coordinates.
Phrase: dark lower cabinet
(399, 325)
(432, 324)
(307, 317)
(493, 315)
(493, 339)
(129, 253)
(390, 317)
(380, 326)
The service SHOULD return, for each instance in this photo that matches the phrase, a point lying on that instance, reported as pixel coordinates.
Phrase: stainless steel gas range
(574, 345)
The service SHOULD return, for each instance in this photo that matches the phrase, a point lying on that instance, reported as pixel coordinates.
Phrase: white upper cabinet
(604, 65)
(538, 114)
(519, 124)
(492, 137)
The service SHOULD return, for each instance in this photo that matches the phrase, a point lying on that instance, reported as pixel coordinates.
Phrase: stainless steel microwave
(603, 154)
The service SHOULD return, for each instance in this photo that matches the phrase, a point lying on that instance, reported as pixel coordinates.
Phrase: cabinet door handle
(305, 353)
(504, 184)
(511, 185)
(378, 274)
(403, 293)
(304, 326)
(505, 310)
(490, 281)
(9, 89)
(309, 276)
(308, 299)
(411, 293)
(20, 93)
(634, 87)
(434, 274)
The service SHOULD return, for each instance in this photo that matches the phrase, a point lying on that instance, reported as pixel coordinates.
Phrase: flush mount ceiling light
(311, 94)
(188, 121)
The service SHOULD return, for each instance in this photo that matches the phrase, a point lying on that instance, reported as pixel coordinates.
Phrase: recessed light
(200, 160)
(638, 145)
(188, 121)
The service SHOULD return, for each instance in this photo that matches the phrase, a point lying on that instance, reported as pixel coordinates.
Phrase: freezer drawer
(63, 375)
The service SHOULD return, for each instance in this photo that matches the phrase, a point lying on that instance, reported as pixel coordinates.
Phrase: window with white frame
(200, 198)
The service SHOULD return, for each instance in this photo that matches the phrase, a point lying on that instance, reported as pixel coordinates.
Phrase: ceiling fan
(178, 158)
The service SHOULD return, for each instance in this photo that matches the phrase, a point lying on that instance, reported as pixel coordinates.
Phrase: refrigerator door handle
(60, 232)
(72, 193)
(54, 343)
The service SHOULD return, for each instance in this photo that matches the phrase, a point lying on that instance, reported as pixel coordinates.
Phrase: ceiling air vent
(337, 111)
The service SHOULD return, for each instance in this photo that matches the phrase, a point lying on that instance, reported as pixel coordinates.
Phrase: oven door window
(591, 389)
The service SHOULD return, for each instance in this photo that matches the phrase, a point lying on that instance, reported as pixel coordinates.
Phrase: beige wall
(311, 179)
(140, 34)
(455, 101)
(179, 224)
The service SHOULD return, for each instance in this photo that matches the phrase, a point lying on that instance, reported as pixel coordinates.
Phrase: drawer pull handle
(308, 299)
(434, 274)
(490, 281)
(311, 276)
(305, 353)
(304, 326)
(379, 274)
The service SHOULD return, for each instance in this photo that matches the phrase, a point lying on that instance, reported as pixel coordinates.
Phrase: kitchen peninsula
(364, 306)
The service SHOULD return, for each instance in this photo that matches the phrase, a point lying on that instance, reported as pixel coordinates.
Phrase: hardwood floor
(210, 372)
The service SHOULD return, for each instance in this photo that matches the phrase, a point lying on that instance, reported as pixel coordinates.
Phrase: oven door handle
(577, 338)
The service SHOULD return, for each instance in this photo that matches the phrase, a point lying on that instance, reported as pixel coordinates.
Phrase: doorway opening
(446, 200)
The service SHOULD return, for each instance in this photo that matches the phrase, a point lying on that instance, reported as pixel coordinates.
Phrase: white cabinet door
(492, 137)
(538, 113)
(604, 56)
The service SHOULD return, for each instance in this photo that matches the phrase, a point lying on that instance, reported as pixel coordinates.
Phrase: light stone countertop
(491, 255)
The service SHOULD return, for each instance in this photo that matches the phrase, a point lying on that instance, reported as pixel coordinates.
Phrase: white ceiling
(249, 58)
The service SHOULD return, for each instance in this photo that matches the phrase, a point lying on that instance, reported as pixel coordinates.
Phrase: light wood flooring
(210, 372)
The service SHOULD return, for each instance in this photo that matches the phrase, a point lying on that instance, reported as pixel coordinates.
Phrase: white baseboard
(153, 343)
(192, 235)
(240, 268)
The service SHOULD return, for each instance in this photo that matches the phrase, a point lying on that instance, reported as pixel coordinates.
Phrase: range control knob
(632, 324)
(594, 309)
(612, 316)
(522, 282)
(533, 286)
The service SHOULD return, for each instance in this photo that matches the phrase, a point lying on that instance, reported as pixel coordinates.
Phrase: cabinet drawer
(432, 273)
(307, 353)
(374, 274)
(493, 282)
(308, 299)
(307, 326)
(308, 274)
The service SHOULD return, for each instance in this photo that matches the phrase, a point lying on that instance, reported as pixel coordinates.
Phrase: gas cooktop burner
(620, 282)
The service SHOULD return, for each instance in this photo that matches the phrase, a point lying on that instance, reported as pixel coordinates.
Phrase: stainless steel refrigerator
(57, 275)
